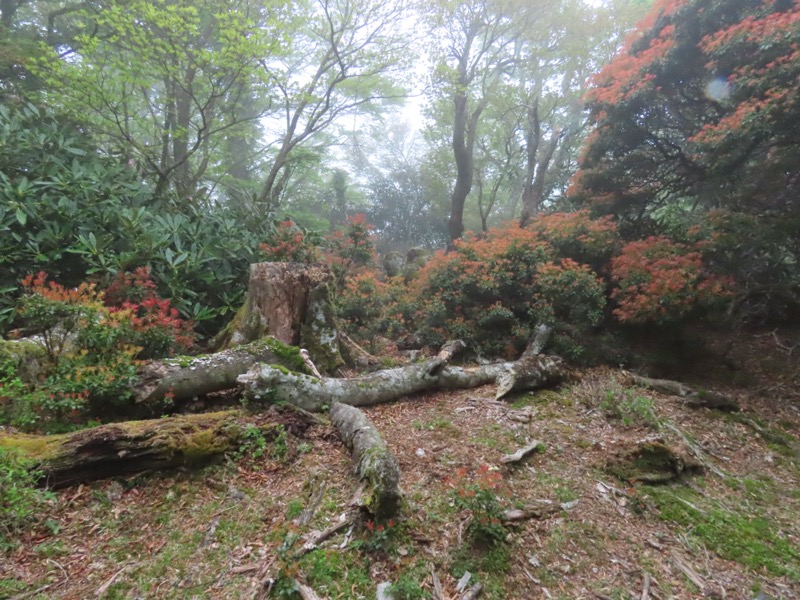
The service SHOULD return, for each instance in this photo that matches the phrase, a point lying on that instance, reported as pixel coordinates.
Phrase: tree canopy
(699, 114)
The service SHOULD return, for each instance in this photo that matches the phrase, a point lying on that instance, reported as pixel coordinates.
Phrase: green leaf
(22, 218)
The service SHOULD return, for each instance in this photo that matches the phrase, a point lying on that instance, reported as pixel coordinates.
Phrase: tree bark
(265, 383)
(172, 381)
(290, 301)
(270, 384)
(122, 448)
(375, 465)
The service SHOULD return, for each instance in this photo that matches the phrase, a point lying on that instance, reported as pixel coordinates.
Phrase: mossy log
(133, 446)
(292, 302)
(268, 383)
(693, 397)
(167, 382)
(652, 462)
(375, 465)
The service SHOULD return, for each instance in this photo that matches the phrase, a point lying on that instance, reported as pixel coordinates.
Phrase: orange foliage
(659, 280)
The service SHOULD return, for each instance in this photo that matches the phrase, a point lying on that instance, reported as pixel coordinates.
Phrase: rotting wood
(696, 451)
(688, 571)
(472, 593)
(376, 466)
(266, 382)
(119, 449)
(354, 354)
(526, 374)
(306, 593)
(651, 461)
(532, 511)
(696, 398)
(164, 383)
(291, 301)
(316, 538)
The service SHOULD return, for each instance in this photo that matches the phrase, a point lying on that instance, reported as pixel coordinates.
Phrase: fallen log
(164, 383)
(697, 398)
(266, 383)
(376, 467)
(271, 384)
(122, 448)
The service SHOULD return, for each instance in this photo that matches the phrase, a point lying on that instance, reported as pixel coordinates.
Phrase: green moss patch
(745, 537)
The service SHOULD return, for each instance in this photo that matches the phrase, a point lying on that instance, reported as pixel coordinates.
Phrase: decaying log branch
(172, 381)
(267, 383)
(376, 467)
(523, 453)
(652, 461)
(355, 354)
(690, 396)
(122, 448)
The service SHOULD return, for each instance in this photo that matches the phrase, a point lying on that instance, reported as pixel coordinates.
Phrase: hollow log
(172, 381)
(292, 302)
(375, 465)
(696, 398)
(129, 447)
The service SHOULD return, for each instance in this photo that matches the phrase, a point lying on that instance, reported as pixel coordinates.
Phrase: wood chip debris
(523, 453)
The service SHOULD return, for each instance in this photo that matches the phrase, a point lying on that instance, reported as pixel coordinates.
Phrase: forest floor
(215, 533)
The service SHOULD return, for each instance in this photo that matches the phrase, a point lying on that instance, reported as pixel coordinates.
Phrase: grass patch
(488, 565)
(440, 423)
(746, 538)
(630, 408)
(334, 574)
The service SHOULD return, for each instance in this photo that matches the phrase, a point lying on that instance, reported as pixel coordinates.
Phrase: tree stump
(291, 302)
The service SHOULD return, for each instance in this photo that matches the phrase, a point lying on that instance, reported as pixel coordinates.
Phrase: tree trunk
(265, 383)
(376, 467)
(536, 166)
(292, 302)
(122, 448)
(172, 381)
(270, 384)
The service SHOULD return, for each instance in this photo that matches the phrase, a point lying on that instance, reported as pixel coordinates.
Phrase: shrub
(362, 303)
(479, 495)
(576, 235)
(753, 252)
(84, 215)
(92, 350)
(290, 243)
(349, 248)
(20, 500)
(492, 292)
(660, 281)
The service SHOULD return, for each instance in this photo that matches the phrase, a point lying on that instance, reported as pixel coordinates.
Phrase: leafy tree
(401, 205)
(700, 111)
(508, 86)
(346, 57)
(478, 51)
(161, 82)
